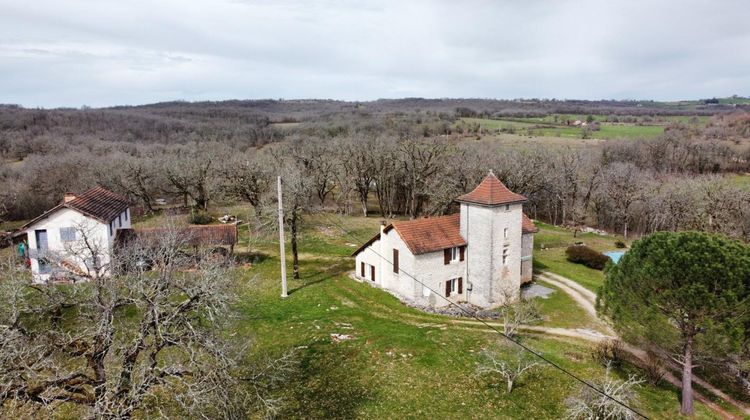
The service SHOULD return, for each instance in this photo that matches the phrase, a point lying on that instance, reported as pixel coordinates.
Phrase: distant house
(480, 255)
(75, 232)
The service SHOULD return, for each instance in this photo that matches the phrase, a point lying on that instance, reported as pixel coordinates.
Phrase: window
(455, 254)
(505, 255)
(67, 234)
(507, 207)
(365, 270)
(119, 221)
(111, 228)
(454, 286)
(395, 261)
(505, 233)
(126, 215)
(44, 266)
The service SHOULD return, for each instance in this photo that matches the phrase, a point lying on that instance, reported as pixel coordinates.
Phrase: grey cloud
(108, 52)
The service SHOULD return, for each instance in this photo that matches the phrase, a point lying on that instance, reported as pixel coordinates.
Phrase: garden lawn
(399, 362)
(549, 253)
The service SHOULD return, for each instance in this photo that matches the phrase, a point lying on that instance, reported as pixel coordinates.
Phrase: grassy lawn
(546, 127)
(400, 362)
(549, 253)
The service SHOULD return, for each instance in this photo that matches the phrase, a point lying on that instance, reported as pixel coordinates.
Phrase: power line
(507, 337)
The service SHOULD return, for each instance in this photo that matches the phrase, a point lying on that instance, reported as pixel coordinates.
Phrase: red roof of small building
(192, 235)
(431, 233)
(527, 225)
(98, 203)
(491, 192)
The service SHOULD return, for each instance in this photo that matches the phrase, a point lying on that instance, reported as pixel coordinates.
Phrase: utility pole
(282, 253)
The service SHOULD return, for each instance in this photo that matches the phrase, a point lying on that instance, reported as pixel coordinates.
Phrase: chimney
(382, 226)
(68, 196)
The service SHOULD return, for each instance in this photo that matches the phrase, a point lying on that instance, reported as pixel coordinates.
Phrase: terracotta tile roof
(527, 225)
(193, 235)
(99, 203)
(491, 192)
(430, 234)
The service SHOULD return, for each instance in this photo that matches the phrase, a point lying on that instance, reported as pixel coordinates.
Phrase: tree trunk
(295, 256)
(363, 201)
(687, 379)
(510, 385)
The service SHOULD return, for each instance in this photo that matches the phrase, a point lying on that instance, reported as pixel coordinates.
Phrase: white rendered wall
(97, 231)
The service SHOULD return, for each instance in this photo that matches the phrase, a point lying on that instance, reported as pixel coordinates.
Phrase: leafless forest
(388, 157)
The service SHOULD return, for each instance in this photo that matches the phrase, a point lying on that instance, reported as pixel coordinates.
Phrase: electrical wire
(507, 337)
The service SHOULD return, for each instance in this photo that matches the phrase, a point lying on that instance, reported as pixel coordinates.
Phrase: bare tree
(588, 404)
(510, 367)
(297, 189)
(125, 343)
(247, 177)
(516, 311)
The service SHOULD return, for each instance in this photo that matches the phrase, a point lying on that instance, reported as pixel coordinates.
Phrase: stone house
(480, 255)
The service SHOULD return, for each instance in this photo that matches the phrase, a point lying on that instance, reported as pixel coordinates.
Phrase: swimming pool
(615, 255)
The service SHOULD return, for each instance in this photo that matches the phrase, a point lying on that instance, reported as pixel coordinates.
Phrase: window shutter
(372, 272)
(460, 285)
(462, 251)
(447, 256)
(447, 288)
(395, 260)
(362, 269)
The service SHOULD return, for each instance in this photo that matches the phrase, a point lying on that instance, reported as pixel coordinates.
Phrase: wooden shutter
(460, 285)
(447, 256)
(372, 272)
(362, 270)
(447, 288)
(395, 260)
(462, 251)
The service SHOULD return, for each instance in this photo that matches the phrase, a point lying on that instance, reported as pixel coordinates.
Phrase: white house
(77, 235)
(480, 255)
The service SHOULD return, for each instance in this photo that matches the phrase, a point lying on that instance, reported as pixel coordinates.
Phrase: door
(42, 246)
(41, 240)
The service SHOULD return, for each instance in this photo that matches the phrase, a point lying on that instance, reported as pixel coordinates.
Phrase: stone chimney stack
(68, 196)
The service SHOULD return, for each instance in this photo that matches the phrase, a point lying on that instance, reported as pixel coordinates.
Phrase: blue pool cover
(615, 255)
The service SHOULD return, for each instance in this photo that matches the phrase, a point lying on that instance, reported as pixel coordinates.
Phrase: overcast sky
(106, 52)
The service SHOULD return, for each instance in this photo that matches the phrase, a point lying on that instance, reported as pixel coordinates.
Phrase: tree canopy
(685, 293)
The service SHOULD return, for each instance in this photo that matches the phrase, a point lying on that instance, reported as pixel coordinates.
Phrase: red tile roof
(527, 225)
(491, 192)
(99, 203)
(193, 235)
(430, 234)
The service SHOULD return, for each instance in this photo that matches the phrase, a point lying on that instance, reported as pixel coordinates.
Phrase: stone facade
(495, 261)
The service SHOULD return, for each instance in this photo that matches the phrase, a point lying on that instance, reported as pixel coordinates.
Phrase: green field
(554, 126)
(400, 362)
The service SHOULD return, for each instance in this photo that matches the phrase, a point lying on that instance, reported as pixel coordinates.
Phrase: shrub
(620, 244)
(200, 217)
(608, 353)
(581, 254)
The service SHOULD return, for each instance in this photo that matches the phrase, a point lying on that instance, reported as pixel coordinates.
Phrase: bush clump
(200, 218)
(620, 244)
(581, 254)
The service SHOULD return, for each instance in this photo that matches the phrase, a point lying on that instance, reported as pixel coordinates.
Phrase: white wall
(483, 228)
(429, 269)
(98, 233)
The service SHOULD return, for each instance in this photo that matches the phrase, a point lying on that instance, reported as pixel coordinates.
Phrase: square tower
(491, 223)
